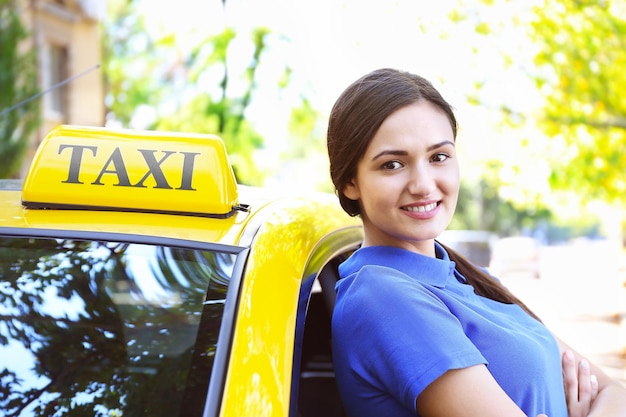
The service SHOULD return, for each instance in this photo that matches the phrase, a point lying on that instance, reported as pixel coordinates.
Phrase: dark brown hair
(354, 120)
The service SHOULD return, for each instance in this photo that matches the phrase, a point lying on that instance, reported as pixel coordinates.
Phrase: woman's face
(407, 182)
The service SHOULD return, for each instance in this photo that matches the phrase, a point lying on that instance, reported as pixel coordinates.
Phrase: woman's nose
(421, 181)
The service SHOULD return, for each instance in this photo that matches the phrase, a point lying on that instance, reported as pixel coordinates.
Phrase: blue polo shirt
(403, 319)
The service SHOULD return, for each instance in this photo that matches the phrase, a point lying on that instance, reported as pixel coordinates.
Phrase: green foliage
(223, 113)
(306, 163)
(201, 114)
(18, 84)
(198, 90)
(574, 122)
(304, 131)
(582, 57)
(132, 74)
(480, 207)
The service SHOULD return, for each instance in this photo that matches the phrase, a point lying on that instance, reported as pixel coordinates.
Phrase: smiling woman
(414, 323)
(412, 150)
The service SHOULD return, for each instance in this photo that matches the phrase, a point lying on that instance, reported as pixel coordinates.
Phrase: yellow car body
(153, 187)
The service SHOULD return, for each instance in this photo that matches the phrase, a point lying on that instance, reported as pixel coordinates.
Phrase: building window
(56, 71)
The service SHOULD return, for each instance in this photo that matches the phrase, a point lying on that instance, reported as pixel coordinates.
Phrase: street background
(581, 297)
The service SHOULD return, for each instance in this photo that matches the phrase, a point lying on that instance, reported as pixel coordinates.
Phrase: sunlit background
(538, 88)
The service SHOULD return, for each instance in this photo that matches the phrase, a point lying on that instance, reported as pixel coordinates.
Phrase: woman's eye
(391, 165)
(440, 157)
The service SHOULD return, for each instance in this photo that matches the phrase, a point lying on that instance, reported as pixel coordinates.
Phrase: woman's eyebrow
(440, 145)
(390, 152)
(405, 153)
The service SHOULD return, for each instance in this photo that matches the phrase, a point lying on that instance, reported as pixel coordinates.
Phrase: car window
(314, 386)
(104, 328)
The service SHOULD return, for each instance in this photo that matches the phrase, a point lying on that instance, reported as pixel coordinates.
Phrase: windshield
(108, 328)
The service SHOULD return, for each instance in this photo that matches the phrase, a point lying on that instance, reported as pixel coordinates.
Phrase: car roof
(173, 185)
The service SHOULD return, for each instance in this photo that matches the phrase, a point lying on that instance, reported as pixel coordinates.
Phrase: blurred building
(66, 35)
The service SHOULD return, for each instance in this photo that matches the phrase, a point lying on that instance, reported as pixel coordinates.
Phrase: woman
(417, 329)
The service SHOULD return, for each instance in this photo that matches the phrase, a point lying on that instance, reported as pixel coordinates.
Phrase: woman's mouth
(420, 209)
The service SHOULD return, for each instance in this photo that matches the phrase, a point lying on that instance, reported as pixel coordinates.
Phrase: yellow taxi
(137, 278)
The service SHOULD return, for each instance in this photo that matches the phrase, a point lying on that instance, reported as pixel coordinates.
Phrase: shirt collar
(428, 270)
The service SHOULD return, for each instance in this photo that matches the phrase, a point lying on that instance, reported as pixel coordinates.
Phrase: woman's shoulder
(382, 288)
(379, 277)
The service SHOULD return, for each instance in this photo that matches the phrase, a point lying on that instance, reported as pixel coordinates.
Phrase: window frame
(58, 95)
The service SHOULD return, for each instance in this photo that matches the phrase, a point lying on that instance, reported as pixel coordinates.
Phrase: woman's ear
(351, 190)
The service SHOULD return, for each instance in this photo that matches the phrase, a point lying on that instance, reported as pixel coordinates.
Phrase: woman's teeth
(421, 209)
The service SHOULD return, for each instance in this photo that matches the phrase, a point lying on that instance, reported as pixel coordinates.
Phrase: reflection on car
(92, 315)
(516, 255)
(138, 278)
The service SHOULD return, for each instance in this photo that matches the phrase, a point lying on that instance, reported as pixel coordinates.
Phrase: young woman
(417, 329)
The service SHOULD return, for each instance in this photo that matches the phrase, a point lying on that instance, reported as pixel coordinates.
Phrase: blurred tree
(222, 110)
(582, 58)
(19, 112)
(305, 156)
(499, 192)
(569, 132)
(130, 63)
(480, 207)
(153, 83)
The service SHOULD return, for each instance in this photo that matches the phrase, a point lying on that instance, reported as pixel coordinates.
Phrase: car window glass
(108, 328)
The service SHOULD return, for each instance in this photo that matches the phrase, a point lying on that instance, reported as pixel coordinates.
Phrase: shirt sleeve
(401, 335)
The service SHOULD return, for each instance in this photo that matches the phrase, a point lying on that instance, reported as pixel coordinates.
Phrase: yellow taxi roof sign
(103, 169)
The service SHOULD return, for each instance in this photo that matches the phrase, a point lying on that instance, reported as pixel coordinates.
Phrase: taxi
(137, 278)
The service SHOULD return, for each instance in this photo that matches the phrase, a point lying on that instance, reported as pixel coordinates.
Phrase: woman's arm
(467, 392)
(473, 391)
(610, 400)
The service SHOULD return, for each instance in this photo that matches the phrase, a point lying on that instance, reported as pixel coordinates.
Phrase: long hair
(354, 120)
(483, 283)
